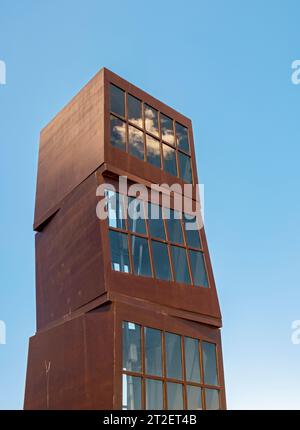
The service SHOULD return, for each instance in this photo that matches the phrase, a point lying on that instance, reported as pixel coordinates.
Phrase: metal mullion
(184, 389)
(202, 375)
(148, 238)
(143, 369)
(164, 369)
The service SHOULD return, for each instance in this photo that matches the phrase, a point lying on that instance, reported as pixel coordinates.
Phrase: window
(151, 134)
(167, 131)
(191, 231)
(192, 359)
(135, 111)
(140, 256)
(174, 226)
(151, 120)
(117, 133)
(119, 251)
(153, 365)
(115, 209)
(180, 265)
(210, 363)
(136, 142)
(154, 394)
(153, 151)
(131, 347)
(155, 221)
(173, 356)
(182, 138)
(117, 100)
(169, 160)
(161, 261)
(136, 216)
(132, 393)
(185, 167)
(153, 352)
(198, 269)
(194, 397)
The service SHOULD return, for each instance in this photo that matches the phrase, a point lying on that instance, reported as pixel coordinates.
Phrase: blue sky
(227, 66)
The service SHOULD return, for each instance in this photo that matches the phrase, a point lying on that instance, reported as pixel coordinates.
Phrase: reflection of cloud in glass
(169, 152)
(135, 111)
(117, 132)
(151, 120)
(167, 131)
(153, 151)
(136, 142)
(182, 137)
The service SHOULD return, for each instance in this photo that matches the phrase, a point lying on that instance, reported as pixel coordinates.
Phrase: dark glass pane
(151, 119)
(174, 226)
(169, 160)
(155, 221)
(198, 268)
(132, 393)
(212, 399)
(153, 352)
(185, 167)
(182, 138)
(115, 209)
(167, 131)
(194, 399)
(174, 395)
(131, 334)
(154, 394)
(161, 261)
(191, 231)
(117, 100)
(209, 363)
(153, 151)
(173, 355)
(192, 359)
(135, 111)
(136, 215)
(117, 133)
(180, 265)
(119, 251)
(140, 255)
(136, 142)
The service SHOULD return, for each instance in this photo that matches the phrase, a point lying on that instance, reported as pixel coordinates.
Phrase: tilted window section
(149, 135)
(173, 371)
(154, 235)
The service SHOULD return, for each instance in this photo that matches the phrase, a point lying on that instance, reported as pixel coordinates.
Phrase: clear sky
(227, 66)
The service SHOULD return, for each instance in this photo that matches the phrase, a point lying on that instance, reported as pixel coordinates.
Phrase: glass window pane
(117, 100)
(185, 167)
(174, 395)
(161, 261)
(131, 334)
(135, 111)
(180, 265)
(153, 352)
(169, 160)
(115, 209)
(153, 151)
(192, 359)
(173, 355)
(117, 133)
(167, 131)
(194, 399)
(119, 251)
(182, 139)
(209, 363)
(136, 142)
(136, 215)
(198, 268)
(212, 399)
(191, 231)
(174, 226)
(140, 255)
(151, 119)
(155, 221)
(132, 393)
(154, 394)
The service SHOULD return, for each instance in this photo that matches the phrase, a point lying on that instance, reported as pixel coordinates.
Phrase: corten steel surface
(80, 301)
